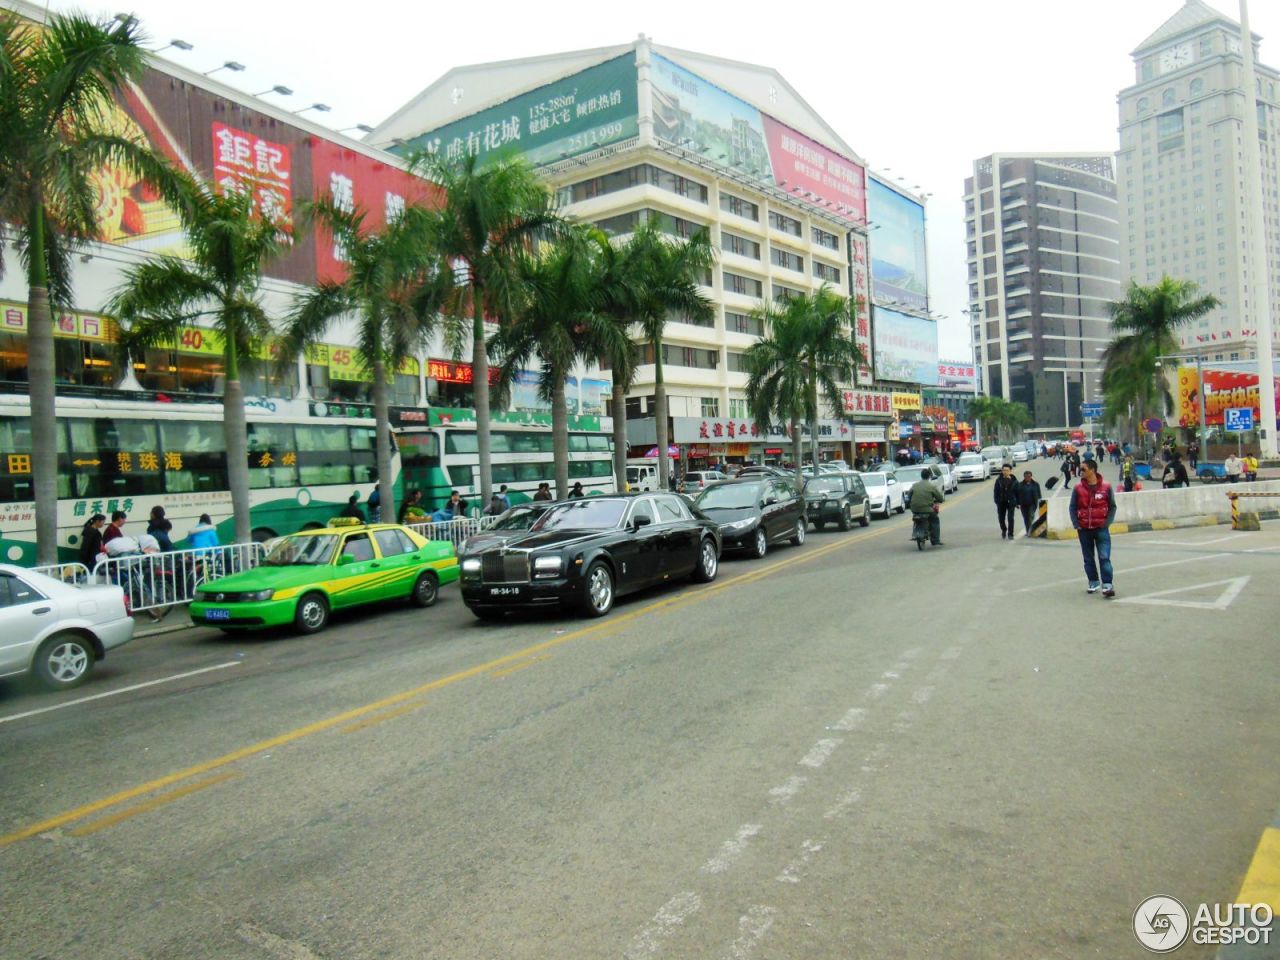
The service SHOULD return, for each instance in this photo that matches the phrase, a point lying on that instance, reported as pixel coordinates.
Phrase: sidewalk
(177, 619)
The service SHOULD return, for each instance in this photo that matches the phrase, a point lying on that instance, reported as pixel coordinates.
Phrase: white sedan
(971, 466)
(57, 630)
(882, 492)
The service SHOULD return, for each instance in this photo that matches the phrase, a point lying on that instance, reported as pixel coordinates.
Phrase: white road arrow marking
(1232, 590)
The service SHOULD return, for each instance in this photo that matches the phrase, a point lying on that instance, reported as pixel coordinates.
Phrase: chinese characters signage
(860, 282)
(728, 430)
(244, 161)
(562, 119)
(1226, 385)
(446, 371)
(957, 375)
(13, 319)
(875, 402)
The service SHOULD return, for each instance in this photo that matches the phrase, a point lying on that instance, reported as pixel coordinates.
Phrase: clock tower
(1178, 172)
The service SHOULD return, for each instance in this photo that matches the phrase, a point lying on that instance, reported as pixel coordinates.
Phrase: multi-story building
(1044, 267)
(642, 132)
(1181, 172)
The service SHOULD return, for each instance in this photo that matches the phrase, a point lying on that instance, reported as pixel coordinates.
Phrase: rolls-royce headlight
(547, 566)
(471, 565)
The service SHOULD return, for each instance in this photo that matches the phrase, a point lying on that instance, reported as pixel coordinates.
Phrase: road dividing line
(877, 690)
(389, 715)
(820, 752)
(850, 799)
(852, 720)
(113, 693)
(520, 666)
(730, 850)
(752, 926)
(788, 790)
(670, 915)
(152, 804)
(791, 872)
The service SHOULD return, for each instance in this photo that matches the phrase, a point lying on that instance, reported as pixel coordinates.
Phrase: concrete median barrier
(1203, 504)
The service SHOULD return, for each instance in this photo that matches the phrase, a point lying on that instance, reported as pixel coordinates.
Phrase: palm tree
(394, 287)
(554, 318)
(665, 274)
(999, 416)
(490, 214)
(229, 248)
(1146, 322)
(777, 374)
(56, 86)
(831, 354)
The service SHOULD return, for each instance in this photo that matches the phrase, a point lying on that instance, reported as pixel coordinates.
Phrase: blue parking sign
(1238, 419)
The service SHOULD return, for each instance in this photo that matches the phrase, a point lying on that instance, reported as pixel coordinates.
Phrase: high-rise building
(646, 133)
(1043, 254)
(1181, 171)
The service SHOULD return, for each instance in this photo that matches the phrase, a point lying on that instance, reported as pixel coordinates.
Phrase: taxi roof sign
(346, 522)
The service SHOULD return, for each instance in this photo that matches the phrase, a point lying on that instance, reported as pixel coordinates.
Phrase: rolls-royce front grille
(504, 568)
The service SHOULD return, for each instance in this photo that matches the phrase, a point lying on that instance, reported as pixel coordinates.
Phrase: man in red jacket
(1093, 507)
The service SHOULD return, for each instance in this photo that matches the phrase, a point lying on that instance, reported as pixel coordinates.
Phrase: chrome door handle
(41, 611)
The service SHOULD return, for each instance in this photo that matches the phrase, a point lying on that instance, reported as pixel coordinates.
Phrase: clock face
(1175, 58)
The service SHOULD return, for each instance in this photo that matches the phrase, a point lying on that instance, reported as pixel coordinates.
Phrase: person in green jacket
(925, 497)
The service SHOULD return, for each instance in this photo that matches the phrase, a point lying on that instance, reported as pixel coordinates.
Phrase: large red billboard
(808, 169)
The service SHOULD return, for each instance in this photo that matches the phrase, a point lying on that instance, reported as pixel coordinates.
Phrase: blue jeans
(1099, 540)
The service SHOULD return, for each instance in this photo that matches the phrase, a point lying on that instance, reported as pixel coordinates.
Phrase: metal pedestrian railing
(66, 572)
(154, 580)
(454, 531)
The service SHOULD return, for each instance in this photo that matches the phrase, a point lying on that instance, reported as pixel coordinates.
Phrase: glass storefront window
(351, 391)
(404, 390)
(263, 379)
(201, 373)
(13, 357)
(318, 381)
(84, 363)
(157, 370)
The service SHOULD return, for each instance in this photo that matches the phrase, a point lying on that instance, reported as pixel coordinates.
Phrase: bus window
(461, 476)
(578, 443)
(419, 449)
(601, 468)
(273, 456)
(460, 442)
(530, 472)
(15, 459)
(324, 454)
(601, 442)
(364, 442)
(504, 473)
(195, 456)
(579, 469)
(501, 443)
(115, 458)
(526, 442)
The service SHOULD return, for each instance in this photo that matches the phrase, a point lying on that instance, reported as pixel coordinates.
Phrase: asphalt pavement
(849, 749)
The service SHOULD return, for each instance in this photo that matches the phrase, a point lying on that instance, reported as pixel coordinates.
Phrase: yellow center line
(520, 666)
(611, 625)
(388, 715)
(152, 804)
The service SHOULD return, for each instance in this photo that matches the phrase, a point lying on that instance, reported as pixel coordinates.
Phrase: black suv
(754, 512)
(838, 498)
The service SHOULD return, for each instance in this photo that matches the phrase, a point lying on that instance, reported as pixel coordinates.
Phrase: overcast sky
(920, 86)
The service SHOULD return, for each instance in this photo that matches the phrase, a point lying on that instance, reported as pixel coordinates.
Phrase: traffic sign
(1091, 411)
(1238, 419)
(1153, 425)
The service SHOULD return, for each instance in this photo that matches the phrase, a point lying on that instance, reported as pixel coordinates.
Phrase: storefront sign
(718, 430)
(13, 319)
(869, 434)
(875, 402)
(906, 401)
(448, 371)
(860, 280)
(1226, 385)
(244, 161)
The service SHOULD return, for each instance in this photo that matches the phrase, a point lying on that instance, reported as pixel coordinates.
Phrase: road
(850, 749)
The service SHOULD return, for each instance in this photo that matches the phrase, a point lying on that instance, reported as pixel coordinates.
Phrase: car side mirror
(641, 521)
(346, 559)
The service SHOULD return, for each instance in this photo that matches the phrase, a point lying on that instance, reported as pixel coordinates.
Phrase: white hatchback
(57, 630)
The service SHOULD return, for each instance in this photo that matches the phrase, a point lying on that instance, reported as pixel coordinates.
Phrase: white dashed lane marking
(820, 752)
(730, 850)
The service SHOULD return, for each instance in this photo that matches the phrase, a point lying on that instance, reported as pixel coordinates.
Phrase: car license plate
(216, 614)
(504, 591)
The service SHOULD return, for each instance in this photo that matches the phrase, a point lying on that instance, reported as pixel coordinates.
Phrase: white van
(642, 476)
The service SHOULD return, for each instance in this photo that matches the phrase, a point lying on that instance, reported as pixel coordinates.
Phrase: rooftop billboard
(692, 112)
(906, 347)
(899, 273)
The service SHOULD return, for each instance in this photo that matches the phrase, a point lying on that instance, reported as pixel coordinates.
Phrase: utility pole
(1256, 249)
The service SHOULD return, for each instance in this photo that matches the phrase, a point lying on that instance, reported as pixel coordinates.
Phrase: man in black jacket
(1028, 499)
(1006, 498)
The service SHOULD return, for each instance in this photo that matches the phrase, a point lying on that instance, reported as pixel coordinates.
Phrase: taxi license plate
(504, 591)
(217, 614)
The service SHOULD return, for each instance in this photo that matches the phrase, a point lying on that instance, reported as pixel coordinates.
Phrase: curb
(1261, 884)
(1146, 526)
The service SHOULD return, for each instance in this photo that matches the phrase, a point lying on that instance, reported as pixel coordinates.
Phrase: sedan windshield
(970, 458)
(875, 479)
(824, 485)
(912, 474)
(583, 514)
(517, 518)
(302, 551)
(730, 496)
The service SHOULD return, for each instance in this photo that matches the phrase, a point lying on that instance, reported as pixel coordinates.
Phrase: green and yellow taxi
(306, 576)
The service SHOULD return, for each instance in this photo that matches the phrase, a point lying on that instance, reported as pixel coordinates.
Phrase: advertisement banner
(13, 319)
(589, 109)
(899, 272)
(877, 403)
(959, 375)
(907, 401)
(906, 347)
(719, 430)
(1226, 386)
(352, 180)
(692, 112)
(860, 278)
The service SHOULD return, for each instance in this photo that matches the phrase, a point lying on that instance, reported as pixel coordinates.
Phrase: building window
(710, 407)
(1197, 87)
(739, 207)
(1143, 105)
(736, 362)
(746, 286)
(632, 177)
(1168, 97)
(824, 271)
(782, 293)
(784, 223)
(622, 223)
(783, 258)
(738, 408)
(739, 245)
(824, 239)
(743, 323)
(674, 356)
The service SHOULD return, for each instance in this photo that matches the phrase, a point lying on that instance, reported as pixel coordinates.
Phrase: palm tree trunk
(797, 449)
(382, 445)
(660, 416)
(619, 435)
(480, 388)
(813, 426)
(560, 437)
(44, 431)
(236, 434)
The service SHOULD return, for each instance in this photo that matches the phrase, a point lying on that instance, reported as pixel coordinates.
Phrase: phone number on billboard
(588, 138)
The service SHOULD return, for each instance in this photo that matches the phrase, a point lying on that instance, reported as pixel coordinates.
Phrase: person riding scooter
(925, 497)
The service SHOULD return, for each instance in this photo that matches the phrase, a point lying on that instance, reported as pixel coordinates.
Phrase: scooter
(920, 529)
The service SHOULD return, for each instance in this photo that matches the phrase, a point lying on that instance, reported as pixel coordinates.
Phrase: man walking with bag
(1006, 498)
(1093, 507)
